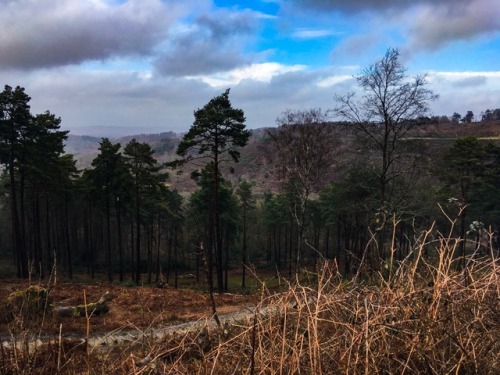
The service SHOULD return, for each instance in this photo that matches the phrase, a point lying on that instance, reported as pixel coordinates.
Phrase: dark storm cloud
(212, 44)
(355, 6)
(435, 26)
(354, 46)
(428, 24)
(46, 33)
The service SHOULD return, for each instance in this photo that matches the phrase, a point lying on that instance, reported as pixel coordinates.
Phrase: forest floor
(131, 307)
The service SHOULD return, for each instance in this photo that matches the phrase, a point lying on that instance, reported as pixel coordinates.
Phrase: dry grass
(422, 316)
(440, 327)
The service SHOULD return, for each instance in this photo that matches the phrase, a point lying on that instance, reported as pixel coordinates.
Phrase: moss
(92, 309)
(29, 302)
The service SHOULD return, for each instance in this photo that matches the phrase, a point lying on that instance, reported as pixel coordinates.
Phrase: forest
(340, 189)
(371, 228)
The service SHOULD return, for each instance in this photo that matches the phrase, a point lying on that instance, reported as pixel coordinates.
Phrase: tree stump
(30, 302)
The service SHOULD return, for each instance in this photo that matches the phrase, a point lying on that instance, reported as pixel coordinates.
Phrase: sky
(123, 67)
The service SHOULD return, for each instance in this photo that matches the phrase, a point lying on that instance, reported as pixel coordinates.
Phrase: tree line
(353, 190)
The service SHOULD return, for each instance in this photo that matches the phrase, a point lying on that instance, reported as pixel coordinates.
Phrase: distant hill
(81, 144)
(253, 165)
(86, 148)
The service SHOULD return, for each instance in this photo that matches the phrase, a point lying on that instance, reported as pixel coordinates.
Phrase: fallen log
(96, 308)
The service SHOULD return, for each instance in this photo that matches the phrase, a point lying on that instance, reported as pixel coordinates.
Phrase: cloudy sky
(117, 67)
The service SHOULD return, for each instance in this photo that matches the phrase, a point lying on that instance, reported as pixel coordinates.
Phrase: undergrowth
(425, 315)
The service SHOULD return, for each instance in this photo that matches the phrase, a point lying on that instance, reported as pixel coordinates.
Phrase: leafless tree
(303, 148)
(390, 107)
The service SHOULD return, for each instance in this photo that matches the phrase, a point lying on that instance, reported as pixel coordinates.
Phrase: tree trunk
(37, 235)
(108, 240)
(176, 272)
(218, 235)
(17, 241)
(120, 246)
(150, 244)
(158, 251)
(226, 262)
(67, 237)
(138, 235)
(48, 249)
(169, 254)
(22, 216)
(244, 253)
(290, 249)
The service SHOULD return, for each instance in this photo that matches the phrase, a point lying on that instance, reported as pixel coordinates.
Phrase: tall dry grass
(424, 314)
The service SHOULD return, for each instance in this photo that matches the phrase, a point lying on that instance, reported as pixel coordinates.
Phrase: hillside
(254, 165)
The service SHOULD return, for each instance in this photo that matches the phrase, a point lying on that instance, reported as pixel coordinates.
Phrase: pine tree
(218, 130)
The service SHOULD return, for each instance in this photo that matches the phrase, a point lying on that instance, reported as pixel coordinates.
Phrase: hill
(254, 165)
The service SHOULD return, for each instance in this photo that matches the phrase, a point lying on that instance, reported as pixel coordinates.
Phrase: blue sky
(117, 67)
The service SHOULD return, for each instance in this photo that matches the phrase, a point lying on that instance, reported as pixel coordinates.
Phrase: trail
(130, 337)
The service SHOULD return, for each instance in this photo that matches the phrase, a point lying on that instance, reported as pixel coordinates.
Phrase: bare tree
(302, 151)
(390, 107)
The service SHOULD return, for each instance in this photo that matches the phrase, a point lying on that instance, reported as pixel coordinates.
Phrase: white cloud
(314, 33)
(132, 100)
(464, 91)
(262, 72)
(333, 80)
(466, 74)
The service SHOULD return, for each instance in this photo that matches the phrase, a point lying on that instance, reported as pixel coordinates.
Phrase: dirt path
(131, 337)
